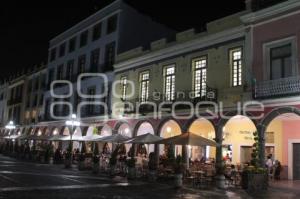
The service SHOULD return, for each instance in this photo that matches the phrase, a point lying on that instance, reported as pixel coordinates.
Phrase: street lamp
(10, 126)
(73, 122)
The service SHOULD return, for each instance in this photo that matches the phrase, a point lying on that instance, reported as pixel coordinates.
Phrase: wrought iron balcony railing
(277, 88)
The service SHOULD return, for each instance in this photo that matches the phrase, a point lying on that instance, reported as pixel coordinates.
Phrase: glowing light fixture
(169, 129)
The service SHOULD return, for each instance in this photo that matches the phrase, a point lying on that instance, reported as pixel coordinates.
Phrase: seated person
(278, 169)
(230, 173)
(203, 159)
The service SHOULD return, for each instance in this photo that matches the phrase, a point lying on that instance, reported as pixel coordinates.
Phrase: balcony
(277, 88)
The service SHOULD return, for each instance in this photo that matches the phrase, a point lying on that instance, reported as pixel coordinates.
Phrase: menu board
(269, 137)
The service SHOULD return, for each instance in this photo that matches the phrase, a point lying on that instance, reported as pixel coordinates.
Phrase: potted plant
(81, 158)
(254, 177)
(178, 170)
(16, 150)
(96, 159)
(131, 168)
(220, 177)
(48, 155)
(152, 174)
(68, 157)
(113, 160)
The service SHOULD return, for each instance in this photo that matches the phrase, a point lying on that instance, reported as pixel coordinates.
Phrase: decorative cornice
(270, 12)
(182, 48)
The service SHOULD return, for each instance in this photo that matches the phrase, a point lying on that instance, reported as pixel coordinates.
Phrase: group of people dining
(274, 167)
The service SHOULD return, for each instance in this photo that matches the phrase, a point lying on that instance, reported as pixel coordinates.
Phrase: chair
(271, 172)
(190, 176)
(209, 176)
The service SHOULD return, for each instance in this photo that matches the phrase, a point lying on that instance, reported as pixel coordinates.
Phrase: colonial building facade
(238, 77)
(91, 47)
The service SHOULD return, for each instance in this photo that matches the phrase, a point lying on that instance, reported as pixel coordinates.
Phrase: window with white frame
(200, 74)
(144, 86)
(169, 82)
(236, 66)
(123, 87)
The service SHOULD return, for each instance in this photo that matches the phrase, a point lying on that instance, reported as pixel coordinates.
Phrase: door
(296, 161)
(246, 152)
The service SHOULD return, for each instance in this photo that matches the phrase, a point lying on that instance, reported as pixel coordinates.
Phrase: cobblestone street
(29, 180)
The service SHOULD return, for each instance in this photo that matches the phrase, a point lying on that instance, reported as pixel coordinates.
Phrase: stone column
(219, 163)
(185, 156)
(156, 151)
(261, 133)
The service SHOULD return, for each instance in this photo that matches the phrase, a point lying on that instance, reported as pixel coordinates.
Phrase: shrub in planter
(48, 153)
(131, 168)
(68, 157)
(113, 160)
(16, 150)
(178, 170)
(254, 177)
(152, 175)
(81, 158)
(96, 159)
(57, 156)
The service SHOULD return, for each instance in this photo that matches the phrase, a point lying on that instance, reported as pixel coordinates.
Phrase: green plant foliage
(255, 167)
(96, 153)
(113, 158)
(131, 163)
(178, 165)
(95, 131)
(152, 162)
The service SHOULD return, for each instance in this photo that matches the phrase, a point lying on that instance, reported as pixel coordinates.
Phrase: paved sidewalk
(29, 180)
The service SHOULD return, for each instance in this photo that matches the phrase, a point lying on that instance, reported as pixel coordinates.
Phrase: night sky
(27, 26)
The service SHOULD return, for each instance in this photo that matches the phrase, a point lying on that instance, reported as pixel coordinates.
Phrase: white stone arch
(238, 139)
(170, 128)
(204, 128)
(280, 135)
(90, 131)
(144, 128)
(124, 129)
(106, 130)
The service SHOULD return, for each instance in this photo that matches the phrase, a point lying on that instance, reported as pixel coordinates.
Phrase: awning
(115, 138)
(147, 138)
(188, 139)
(12, 137)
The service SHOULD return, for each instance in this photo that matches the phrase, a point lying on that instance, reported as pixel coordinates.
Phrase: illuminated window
(200, 74)
(144, 86)
(123, 87)
(236, 65)
(169, 82)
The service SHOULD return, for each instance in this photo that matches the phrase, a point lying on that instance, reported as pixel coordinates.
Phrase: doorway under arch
(144, 128)
(204, 128)
(282, 142)
(238, 140)
(170, 128)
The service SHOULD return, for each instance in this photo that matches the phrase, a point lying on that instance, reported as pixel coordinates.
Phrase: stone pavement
(30, 180)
